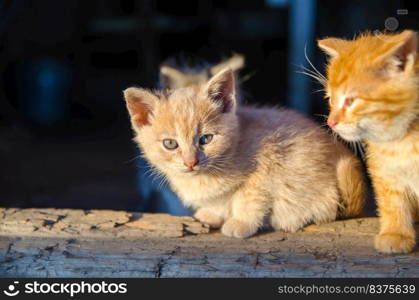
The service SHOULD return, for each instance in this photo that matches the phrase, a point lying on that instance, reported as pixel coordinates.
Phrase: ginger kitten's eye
(170, 144)
(205, 139)
(328, 98)
(349, 101)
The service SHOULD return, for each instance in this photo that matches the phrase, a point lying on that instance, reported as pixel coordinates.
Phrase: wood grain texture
(77, 243)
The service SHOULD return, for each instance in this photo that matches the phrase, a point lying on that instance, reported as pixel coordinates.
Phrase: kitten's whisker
(318, 79)
(132, 159)
(334, 135)
(311, 64)
(361, 149)
(321, 115)
(318, 91)
(354, 148)
(312, 72)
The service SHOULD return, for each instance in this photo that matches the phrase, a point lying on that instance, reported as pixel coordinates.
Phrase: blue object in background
(44, 90)
(302, 24)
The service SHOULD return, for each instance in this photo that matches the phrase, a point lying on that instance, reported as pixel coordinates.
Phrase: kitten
(173, 76)
(241, 166)
(155, 196)
(373, 91)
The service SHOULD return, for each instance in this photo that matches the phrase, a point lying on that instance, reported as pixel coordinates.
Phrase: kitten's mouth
(190, 171)
(348, 133)
(350, 137)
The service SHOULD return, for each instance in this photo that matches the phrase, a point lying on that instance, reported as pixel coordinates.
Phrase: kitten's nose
(332, 123)
(191, 162)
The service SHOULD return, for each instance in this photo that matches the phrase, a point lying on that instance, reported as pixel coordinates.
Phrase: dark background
(65, 139)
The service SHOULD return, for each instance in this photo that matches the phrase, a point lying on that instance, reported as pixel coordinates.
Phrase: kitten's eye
(170, 144)
(328, 98)
(205, 139)
(349, 101)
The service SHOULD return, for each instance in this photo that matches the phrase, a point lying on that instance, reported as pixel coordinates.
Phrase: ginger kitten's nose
(332, 123)
(191, 162)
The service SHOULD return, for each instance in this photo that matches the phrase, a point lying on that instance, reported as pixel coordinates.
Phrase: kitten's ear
(235, 63)
(221, 89)
(139, 103)
(400, 53)
(171, 78)
(332, 46)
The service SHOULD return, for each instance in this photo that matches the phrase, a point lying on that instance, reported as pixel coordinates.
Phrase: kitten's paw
(238, 229)
(394, 243)
(205, 216)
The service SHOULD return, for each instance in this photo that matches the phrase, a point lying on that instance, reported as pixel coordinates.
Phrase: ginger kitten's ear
(171, 77)
(139, 103)
(400, 53)
(235, 63)
(332, 46)
(221, 89)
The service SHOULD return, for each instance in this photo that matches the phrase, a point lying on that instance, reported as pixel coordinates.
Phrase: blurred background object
(65, 139)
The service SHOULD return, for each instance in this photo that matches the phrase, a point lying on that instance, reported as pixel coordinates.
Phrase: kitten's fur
(373, 86)
(176, 73)
(174, 76)
(262, 164)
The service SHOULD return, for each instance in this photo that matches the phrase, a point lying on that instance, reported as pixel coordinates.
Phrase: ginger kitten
(373, 91)
(240, 167)
(174, 76)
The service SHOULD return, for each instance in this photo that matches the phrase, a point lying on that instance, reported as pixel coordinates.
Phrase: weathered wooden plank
(57, 242)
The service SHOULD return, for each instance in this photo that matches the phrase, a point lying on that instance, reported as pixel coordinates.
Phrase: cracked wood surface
(77, 243)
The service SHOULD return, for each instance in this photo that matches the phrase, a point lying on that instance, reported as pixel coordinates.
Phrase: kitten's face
(189, 131)
(372, 86)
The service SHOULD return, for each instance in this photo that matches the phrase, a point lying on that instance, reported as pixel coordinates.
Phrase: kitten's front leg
(210, 216)
(248, 211)
(397, 233)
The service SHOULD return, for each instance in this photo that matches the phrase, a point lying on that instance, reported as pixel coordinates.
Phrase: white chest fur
(201, 190)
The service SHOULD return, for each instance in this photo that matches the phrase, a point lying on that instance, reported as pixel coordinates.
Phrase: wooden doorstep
(104, 243)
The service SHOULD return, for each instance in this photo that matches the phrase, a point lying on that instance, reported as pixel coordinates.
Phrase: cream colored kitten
(241, 166)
